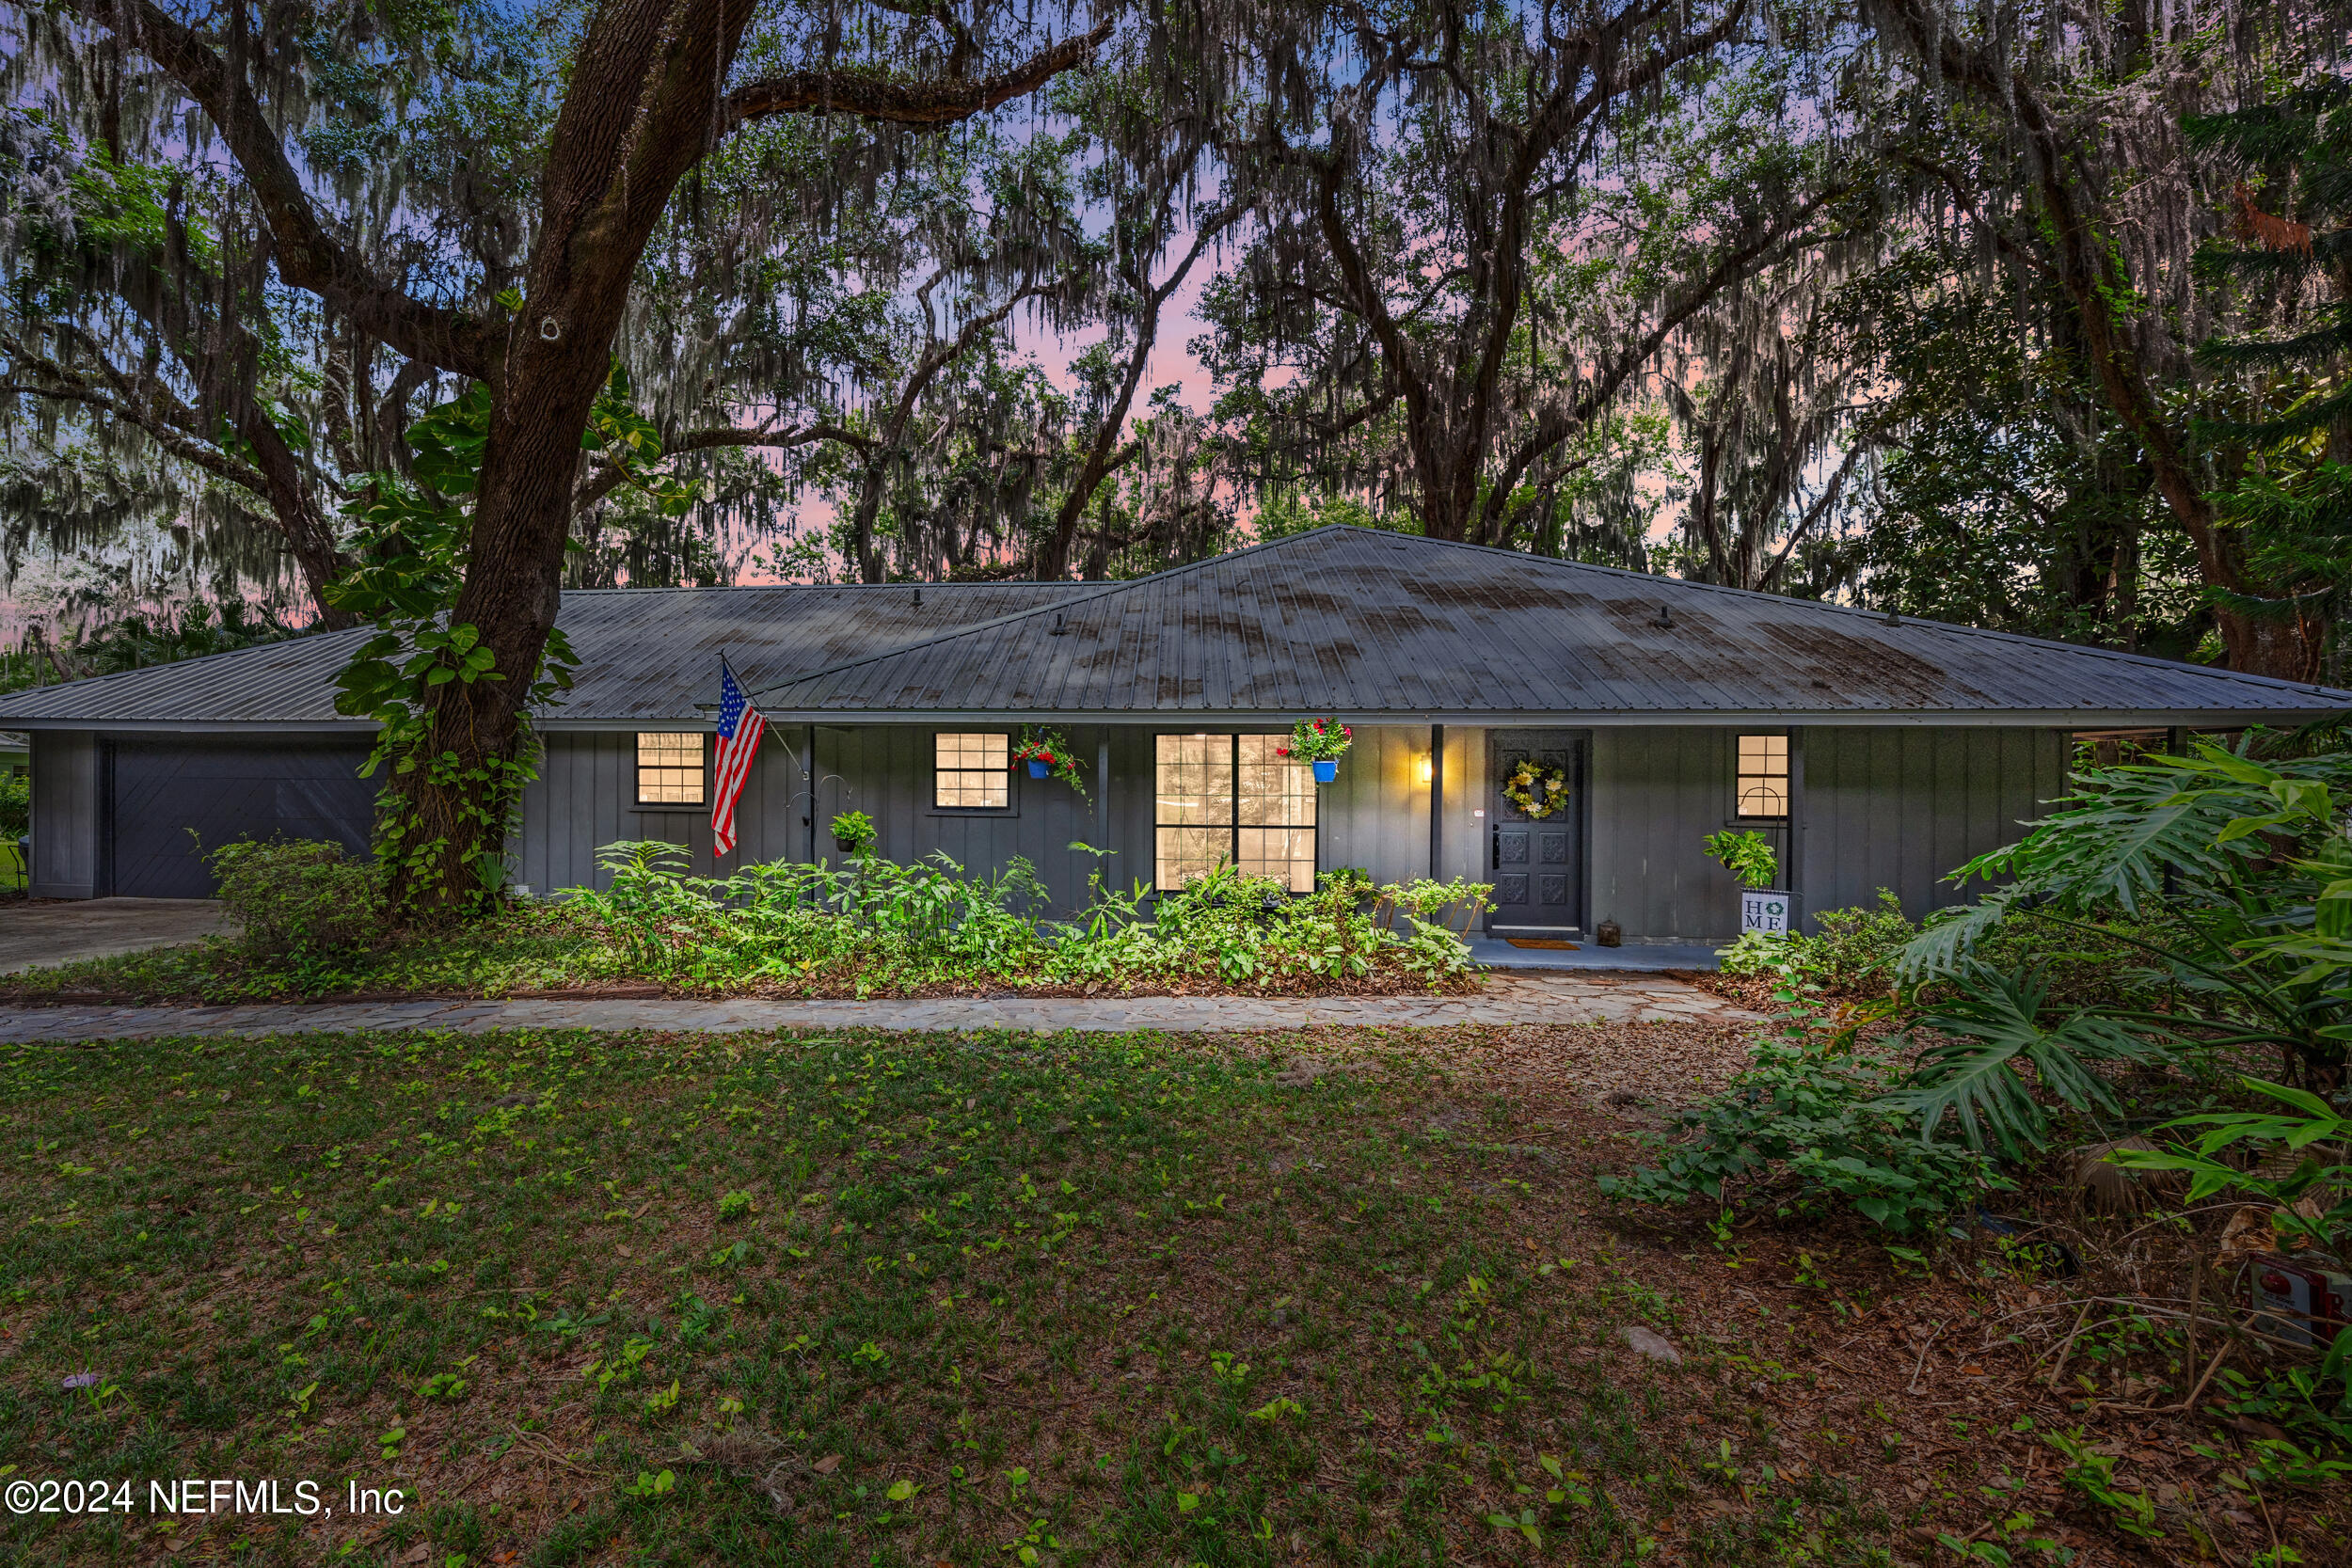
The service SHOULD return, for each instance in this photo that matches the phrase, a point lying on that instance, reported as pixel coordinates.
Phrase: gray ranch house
(1872, 752)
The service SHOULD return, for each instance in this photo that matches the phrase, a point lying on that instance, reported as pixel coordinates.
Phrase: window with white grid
(670, 769)
(1763, 782)
(1233, 799)
(972, 772)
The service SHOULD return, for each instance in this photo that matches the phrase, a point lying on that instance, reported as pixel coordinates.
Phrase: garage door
(170, 798)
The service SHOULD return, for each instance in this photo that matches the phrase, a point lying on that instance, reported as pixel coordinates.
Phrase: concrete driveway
(44, 934)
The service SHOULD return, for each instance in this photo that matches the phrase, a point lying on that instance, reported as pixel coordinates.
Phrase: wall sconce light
(1424, 768)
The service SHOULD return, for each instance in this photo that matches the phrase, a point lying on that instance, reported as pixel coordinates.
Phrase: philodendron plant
(1746, 855)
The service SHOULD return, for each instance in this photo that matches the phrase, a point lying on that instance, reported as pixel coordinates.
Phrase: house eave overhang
(356, 729)
(1182, 718)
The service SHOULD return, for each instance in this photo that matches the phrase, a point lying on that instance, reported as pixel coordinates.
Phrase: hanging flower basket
(1049, 755)
(1537, 791)
(852, 831)
(1320, 742)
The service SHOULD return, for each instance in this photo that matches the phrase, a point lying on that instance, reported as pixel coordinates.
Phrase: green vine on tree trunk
(443, 819)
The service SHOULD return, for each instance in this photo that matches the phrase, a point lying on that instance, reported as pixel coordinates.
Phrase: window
(1763, 789)
(974, 772)
(1233, 799)
(670, 769)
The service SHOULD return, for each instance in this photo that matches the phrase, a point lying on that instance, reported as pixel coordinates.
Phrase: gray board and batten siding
(65, 814)
(586, 798)
(1871, 808)
(1375, 816)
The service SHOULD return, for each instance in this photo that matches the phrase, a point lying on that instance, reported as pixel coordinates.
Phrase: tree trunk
(641, 105)
(636, 114)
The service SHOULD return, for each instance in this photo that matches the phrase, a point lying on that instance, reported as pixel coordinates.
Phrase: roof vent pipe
(1059, 629)
(1665, 616)
(1892, 619)
(918, 598)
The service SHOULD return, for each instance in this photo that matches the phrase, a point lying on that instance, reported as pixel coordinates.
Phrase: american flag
(740, 729)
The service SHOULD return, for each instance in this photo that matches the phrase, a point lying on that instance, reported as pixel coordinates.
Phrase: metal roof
(645, 654)
(1362, 623)
(1355, 622)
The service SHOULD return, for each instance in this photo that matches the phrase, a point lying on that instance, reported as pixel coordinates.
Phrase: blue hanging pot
(1037, 770)
(1327, 769)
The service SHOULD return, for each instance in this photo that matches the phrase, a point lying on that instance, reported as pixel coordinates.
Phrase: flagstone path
(1528, 997)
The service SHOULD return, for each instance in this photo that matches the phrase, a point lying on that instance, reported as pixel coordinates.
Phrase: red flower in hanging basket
(1051, 751)
(1318, 740)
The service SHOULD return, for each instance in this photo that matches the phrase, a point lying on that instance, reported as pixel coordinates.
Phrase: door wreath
(1537, 791)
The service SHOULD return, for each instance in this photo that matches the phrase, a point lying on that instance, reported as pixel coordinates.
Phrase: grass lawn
(1342, 1297)
(831, 1299)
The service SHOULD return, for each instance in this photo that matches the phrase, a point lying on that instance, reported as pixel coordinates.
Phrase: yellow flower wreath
(1522, 784)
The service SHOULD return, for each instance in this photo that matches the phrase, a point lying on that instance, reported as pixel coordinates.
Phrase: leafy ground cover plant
(1851, 949)
(867, 929)
(1859, 952)
(1813, 1123)
(878, 923)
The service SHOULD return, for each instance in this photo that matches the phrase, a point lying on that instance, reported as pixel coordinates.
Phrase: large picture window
(1763, 783)
(972, 772)
(670, 769)
(1232, 800)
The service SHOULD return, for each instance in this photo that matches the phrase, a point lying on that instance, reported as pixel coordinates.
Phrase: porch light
(1424, 768)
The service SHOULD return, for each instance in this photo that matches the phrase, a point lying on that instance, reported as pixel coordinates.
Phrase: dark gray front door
(163, 789)
(1536, 863)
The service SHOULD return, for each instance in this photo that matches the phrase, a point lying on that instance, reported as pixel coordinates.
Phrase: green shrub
(16, 806)
(1860, 944)
(299, 897)
(2229, 879)
(1805, 1126)
(1852, 948)
(1746, 855)
(881, 925)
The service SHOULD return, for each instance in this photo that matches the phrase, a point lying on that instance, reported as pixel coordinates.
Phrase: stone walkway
(1526, 997)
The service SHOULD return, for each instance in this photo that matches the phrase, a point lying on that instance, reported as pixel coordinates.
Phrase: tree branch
(308, 256)
(1812, 515)
(901, 102)
(610, 476)
(181, 446)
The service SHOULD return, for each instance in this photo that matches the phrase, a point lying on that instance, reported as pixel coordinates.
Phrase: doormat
(1548, 943)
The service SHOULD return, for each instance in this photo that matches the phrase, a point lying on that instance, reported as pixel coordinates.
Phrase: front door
(1536, 863)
